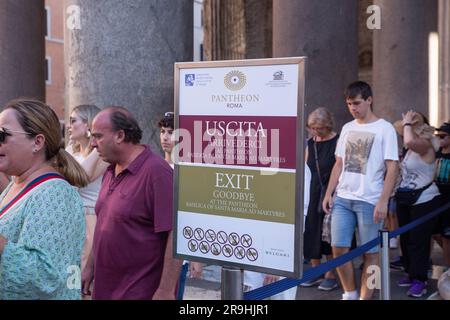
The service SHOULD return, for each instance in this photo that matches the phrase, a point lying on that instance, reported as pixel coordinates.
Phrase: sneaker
(350, 296)
(418, 289)
(328, 285)
(404, 282)
(311, 283)
(397, 263)
(393, 243)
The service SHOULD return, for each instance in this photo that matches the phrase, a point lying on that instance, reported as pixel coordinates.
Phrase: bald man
(132, 252)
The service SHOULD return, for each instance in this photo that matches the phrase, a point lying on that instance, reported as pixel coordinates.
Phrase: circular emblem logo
(235, 80)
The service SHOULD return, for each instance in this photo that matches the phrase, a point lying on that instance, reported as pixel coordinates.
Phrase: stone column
(258, 29)
(444, 61)
(122, 53)
(400, 60)
(224, 37)
(237, 29)
(22, 49)
(365, 42)
(326, 32)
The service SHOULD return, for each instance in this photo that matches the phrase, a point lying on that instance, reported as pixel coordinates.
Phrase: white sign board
(240, 163)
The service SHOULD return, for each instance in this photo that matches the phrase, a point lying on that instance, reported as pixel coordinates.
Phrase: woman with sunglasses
(41, 217)
(80, 148)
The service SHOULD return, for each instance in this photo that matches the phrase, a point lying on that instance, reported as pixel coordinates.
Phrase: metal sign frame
(299, 159)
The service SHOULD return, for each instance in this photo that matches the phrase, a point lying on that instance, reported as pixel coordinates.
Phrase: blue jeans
(346, 216)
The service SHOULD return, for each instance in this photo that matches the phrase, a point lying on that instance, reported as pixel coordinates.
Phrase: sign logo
(279, 75)
(189, 80)
(235, 80)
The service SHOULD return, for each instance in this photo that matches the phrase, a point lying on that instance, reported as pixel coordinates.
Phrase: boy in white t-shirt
(363, 177)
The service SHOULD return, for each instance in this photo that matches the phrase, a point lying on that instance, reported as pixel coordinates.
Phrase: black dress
(313, 246)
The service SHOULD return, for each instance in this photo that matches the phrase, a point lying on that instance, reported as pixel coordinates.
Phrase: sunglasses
(168, 114)
(4, 133)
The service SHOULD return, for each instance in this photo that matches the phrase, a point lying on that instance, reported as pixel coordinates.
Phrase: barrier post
(385, 292)
(232, 283)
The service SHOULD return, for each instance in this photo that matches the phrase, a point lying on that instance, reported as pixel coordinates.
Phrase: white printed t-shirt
(363, 149)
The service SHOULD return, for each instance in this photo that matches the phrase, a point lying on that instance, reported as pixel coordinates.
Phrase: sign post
(232, 283)
(239, 164)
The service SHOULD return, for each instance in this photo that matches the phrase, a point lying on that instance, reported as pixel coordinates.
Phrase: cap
(444, 128)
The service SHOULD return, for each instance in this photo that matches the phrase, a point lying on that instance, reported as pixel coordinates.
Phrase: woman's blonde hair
(36, 117)
(321, 116)
(86, 112)
(421, 127)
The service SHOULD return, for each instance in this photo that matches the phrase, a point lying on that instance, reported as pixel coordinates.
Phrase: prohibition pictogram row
(226, 250)
(222, 237)
(220, 243)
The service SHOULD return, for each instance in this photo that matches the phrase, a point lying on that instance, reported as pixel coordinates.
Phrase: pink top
(134, 216)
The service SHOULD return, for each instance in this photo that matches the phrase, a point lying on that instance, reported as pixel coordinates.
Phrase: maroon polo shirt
(134, 217)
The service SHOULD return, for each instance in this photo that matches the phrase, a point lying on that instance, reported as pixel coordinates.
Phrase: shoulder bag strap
(33, 184)
(316, 157)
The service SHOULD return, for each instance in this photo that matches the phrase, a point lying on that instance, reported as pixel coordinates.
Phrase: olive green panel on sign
(237, 193)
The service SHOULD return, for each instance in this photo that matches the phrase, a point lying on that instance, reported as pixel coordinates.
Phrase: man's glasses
(4, 133)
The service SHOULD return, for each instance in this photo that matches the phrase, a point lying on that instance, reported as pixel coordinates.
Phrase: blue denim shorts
(346, 216)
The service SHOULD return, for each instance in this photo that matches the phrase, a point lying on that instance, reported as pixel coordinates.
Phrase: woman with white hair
(320, 159)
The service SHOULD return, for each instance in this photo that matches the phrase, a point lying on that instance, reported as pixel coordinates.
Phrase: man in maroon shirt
(132, 251)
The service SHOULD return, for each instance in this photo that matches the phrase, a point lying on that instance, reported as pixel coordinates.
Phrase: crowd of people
(103, 206)
(367, 181)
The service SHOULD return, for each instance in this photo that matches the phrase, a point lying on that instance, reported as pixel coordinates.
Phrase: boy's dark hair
(166, 121)
(358, 88)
